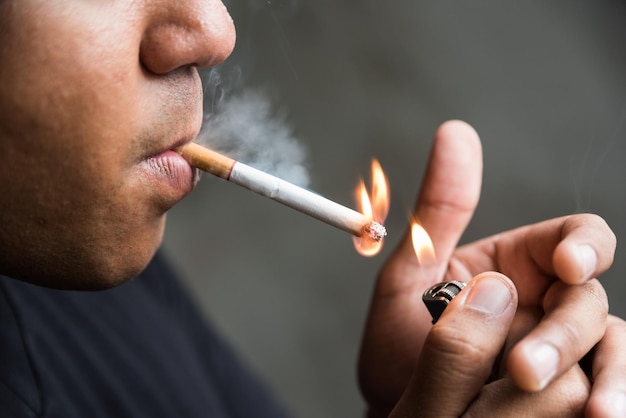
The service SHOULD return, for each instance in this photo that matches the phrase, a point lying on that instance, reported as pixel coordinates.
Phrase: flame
(422, 244)
(374, 205)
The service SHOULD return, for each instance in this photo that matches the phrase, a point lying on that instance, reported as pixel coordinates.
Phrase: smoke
(245, 125)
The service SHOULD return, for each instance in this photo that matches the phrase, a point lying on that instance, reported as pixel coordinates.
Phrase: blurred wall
(543, 83)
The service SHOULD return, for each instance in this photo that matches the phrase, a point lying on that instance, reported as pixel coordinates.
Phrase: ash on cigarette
(376, 231)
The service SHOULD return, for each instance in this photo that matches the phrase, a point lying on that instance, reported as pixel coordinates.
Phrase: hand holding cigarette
(284, 192)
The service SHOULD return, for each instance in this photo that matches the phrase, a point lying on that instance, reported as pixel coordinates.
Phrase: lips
(169, 176)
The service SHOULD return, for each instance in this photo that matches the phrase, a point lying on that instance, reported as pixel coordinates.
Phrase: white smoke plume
(246, 126)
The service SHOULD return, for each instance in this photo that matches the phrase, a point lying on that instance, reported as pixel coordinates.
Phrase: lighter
(438, 296)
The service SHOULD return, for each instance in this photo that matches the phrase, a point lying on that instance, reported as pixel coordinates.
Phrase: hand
(608, 371)
(562, 311)
(450, 375)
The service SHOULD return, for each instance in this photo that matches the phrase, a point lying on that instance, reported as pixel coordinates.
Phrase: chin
(92, 266)
(92, 274)
(89, 252)
(117, 267)
(115, 259)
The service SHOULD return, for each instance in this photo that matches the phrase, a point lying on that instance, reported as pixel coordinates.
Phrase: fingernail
(489, 295)
(588, 260)
(545, 362)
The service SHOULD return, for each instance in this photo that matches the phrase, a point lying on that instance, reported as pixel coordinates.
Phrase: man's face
(93, 97)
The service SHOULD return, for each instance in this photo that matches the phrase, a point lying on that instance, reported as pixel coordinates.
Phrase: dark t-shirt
(138, 350)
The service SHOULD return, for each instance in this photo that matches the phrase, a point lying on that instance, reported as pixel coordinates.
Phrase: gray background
(544, 84)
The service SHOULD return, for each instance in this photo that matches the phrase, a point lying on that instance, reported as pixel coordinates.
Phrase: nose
(186, 32)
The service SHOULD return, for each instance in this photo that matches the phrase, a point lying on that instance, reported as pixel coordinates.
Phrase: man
(94, 98)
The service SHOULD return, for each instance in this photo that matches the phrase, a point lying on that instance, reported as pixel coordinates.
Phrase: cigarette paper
(282, 191)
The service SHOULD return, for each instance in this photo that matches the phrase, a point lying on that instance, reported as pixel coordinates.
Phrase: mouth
(169, 175)
(164, 171)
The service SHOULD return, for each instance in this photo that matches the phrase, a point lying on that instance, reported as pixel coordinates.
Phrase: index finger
(574, 249)
(574, 321)
(447, 200)
(586, 250)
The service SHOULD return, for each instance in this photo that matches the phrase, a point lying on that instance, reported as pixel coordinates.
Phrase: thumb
(460, 350)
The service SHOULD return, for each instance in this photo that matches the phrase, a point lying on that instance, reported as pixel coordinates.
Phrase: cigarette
(283, 192)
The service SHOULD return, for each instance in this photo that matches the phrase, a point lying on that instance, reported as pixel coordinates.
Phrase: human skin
(93, 96)
(516, 354)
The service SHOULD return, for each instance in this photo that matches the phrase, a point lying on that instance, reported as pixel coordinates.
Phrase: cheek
(68, 126)
(75, 104)
(71, 146)
(78, 114)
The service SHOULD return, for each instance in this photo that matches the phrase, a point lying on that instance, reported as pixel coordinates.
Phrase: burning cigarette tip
(376, 231)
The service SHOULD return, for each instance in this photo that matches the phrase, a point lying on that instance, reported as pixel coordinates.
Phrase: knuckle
(453, 343)
(578, 336)
(587, 322)
(572, 392)
(596, 293)
(597, 222)
(572, 337)
(566, 397)
(617, 324)
(588, 218)
(601, 224)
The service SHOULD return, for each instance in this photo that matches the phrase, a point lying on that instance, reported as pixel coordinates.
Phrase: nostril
(186, 37)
